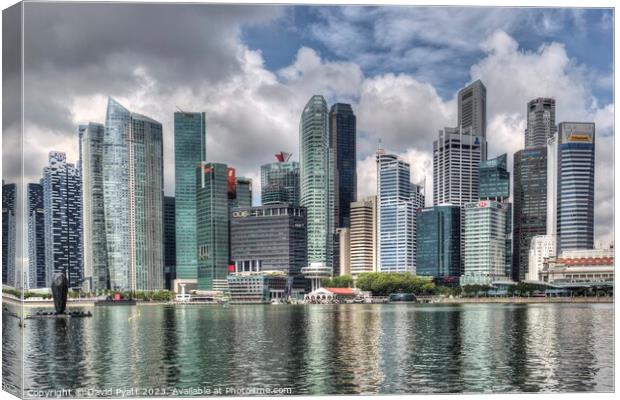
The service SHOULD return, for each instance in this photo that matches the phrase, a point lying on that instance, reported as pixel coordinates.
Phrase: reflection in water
(322, 349)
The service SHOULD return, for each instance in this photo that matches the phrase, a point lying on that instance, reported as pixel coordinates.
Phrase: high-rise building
(243, 192)
(456, 157)
(8, 233)
(530, 205)
(269, 238)
(212, 225)
(396, 220)
(438, 239)
(36, 236)
(190, 149)
(280, 181)
(485, 227)
(62, 204)
(540, 122)
(96, 276)
(494, 179)
(575, 214)
(541, 247)
(342, 132)
(344, 252)
(472, 109)
(133, 193)
(170, 258)
(363, 236)
(317, 187)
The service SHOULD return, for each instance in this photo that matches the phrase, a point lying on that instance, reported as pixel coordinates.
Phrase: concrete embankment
(523, 300)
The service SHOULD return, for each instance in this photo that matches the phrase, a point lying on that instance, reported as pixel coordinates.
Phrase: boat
(402, 298)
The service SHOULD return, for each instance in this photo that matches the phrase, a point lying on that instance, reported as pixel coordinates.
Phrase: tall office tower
(36, 236)
(395, 215)
(62, 204)
(342, 132)
(269, 238)
(280, 181)
(540, 122)
(190, 149)
(8, 233)
(344, 252)
(494, 179)
(133, 199)
(438, 240)
(212, 225)
(243, 192)
(363, 236)
(575, 221)
(472, 110)
(95, 250)
(170, 257)
(508, 239)
(317, 188)
(485, 258)
(456, 156)
(541, 248)
(530, 205)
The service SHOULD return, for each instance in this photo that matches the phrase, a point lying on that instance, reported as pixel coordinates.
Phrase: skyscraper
(36, 236)
(438, 240)
(212, 225)
(169, 242)
(540, 121)
(456, 155)
(8, 233)
(575, 221)
(395, 214)
(485, 258)
(363, 236)
(280, 181)
(243, 192)
(494, 179)
(96, 276)
(62, 204)
(472, 110)
(342, 132)
(317, 183)
(190, 150)
(530, 205)
(133, 193)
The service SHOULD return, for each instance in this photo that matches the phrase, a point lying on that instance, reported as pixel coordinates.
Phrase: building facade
(62, 204)
(212, 220)
(363, 236)
(190, 149)
(494, 179)
(594, 266)
(169, 242)
(242, 192)
(36, 236)
(8, 233)
(344, 252)
(133, 193)
(575, 220)
(317, 186)
(438, 241)
(269, 238)
(396, 222)
(541, 248)
(529, 205)
(472, 109)
(343, 138)
(485, 227)
(540, 121)
(280, 181)
(96, 276)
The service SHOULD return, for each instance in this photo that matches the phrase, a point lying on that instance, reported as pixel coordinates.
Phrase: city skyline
(548, 63)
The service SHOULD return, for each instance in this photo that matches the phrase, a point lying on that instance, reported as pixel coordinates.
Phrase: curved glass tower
(317, 185)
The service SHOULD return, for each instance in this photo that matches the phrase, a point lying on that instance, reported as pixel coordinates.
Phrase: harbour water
(318, 349)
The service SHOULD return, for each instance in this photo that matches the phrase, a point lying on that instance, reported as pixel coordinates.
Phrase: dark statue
(60, 288)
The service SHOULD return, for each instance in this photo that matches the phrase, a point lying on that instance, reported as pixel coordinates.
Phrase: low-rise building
(579, 266)
(253, 287)
(541, 248)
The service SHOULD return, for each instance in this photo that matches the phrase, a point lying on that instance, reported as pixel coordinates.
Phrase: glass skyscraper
(472, 109)
(169, 242)
(189, 151)
(212, 225)
(133, 199)
(494, 179)
(243, 192)
(395, 214)
(280, 182)
(540, 122)
(342, 132)
(530, 205)
(36, 236)
(62, 204)
(96, 276)
(317, 182)
(575, 221)
(438, 240)
(8, 233)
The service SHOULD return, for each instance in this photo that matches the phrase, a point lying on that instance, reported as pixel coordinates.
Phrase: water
(319, 349)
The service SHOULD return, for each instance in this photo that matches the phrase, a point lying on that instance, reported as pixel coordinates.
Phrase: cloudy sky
(252, 69)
